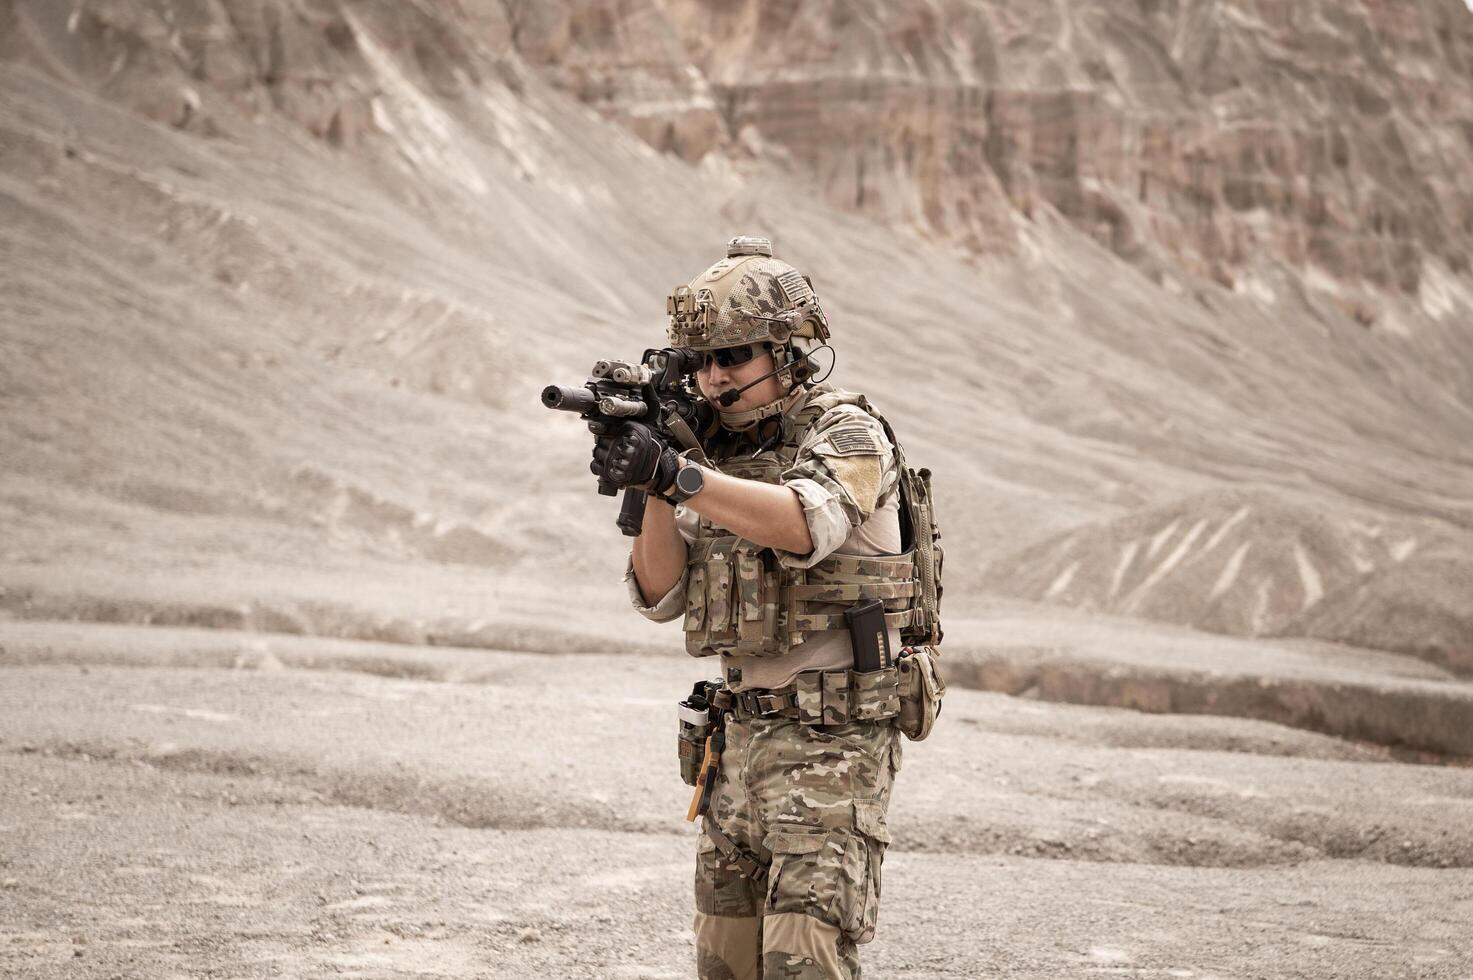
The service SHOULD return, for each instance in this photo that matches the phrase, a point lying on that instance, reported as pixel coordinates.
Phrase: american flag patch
(854, 442)
(794, 286)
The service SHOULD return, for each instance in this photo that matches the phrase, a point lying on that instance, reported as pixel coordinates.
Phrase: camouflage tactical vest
(741, 601)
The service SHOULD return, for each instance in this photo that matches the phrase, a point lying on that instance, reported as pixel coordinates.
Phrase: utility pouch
(695, 725)
(823, 697)
(733, 599)
(874, 695)
(921, 689)
(756, 586)
(838, 697)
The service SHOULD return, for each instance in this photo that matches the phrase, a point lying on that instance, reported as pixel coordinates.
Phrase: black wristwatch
(689, 481)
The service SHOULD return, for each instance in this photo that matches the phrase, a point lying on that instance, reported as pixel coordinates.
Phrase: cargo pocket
(805, 872)
(833, 875)
(863, 857)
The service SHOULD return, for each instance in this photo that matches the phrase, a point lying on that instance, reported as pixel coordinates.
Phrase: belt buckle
(761, 704)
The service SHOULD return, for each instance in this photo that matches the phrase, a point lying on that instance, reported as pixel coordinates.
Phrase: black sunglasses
(730, 357)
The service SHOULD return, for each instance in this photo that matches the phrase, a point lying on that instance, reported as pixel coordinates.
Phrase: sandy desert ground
(186, 803)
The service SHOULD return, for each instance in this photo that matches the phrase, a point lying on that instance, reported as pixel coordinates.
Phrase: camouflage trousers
(812, 801)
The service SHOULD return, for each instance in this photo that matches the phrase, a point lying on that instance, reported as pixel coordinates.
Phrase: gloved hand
(635, 456)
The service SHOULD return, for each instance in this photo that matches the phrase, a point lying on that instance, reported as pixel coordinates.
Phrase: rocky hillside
(283, 278)
(1185, 135)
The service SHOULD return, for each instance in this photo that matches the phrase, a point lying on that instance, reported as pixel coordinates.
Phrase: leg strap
(752, 866)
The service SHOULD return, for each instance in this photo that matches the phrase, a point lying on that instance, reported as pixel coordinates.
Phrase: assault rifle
(656, 391)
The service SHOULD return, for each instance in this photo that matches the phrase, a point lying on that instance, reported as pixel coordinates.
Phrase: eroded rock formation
(1334, 136)
(1199, 135)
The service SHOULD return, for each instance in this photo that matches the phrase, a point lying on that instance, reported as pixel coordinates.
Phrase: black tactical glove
(635, 456)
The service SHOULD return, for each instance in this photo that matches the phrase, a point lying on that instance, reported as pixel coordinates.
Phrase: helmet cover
(748, 297)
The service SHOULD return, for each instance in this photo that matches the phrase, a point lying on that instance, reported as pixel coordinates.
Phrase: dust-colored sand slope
(1258, 564)
(268, 337)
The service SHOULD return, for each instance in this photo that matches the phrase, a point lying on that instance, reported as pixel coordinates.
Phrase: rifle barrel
(568, 398)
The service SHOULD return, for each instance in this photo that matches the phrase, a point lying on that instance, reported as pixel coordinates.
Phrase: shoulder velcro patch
(852, 441)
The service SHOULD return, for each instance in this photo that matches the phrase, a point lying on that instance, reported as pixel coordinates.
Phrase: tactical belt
(819, 697)
(758, 703)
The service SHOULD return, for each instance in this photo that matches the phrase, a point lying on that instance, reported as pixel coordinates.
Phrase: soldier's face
(713, 379)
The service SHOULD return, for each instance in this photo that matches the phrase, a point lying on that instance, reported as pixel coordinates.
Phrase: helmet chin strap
(742, 421)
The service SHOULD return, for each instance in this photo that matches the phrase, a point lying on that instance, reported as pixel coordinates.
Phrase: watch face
(689, 480)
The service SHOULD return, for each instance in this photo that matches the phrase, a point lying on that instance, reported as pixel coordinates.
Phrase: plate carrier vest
(740, 600)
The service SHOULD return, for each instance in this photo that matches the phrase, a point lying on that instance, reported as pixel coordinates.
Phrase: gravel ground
(496, 815)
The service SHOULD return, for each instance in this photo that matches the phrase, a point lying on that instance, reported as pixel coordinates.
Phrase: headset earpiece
(801, 364)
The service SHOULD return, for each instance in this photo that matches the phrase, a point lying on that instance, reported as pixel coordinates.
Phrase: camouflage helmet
(747, 297)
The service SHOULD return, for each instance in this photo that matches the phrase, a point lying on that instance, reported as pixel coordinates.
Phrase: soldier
(793, 514)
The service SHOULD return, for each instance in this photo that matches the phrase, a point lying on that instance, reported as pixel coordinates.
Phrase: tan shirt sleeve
(845, 470)
(670, 606)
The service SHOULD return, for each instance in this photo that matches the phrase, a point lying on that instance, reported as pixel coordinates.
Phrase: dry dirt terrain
(196, 803)
(313, 655)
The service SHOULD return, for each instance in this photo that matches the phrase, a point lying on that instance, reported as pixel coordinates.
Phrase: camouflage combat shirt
(846, 475)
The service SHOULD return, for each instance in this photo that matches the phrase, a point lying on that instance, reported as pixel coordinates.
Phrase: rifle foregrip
(631, 513)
